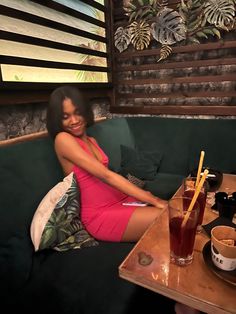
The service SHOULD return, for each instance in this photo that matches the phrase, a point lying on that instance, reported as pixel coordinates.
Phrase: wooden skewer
(195, 196)
(200, 167)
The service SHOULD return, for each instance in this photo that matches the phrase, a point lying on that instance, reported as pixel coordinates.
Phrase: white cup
(223, 250)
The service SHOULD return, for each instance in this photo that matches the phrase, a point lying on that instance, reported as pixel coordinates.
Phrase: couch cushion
(27, 171)
(165, 185)
(110, 135)
(56, 223)
(16, 254)
(85, 281)
(143, 165)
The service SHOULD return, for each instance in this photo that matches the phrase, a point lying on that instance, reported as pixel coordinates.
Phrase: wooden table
(194, 285)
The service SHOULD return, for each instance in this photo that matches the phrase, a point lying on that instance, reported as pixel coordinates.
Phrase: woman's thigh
(139, 221)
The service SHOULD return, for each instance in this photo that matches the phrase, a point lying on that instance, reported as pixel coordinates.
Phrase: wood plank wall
(195, 79)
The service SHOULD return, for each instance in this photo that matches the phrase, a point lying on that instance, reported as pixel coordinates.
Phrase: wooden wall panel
(197, 79)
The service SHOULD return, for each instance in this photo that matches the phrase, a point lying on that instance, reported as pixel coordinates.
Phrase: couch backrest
(110, 134)
(217, 137)
(27, 172)
(169, 135)
(179, 140)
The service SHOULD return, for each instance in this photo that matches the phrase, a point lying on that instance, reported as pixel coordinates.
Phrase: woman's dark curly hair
(55, 108)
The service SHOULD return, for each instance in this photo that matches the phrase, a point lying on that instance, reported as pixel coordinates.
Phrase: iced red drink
(182, 232)
(202, 203)
(189, 190)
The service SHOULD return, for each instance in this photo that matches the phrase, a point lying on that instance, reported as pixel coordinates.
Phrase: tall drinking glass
(182, 228)
(189, 190)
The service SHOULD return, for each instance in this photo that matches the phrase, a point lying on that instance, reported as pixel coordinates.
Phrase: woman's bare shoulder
(63, 136)
(64, 140)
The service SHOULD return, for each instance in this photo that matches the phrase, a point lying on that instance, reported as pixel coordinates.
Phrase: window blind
(53, 41)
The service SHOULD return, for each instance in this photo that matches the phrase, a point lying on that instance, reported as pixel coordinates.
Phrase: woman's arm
(67, 148)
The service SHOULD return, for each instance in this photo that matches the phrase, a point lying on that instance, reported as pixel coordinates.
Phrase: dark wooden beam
(176, 80)
(221, 44)
(50, 64)
(176, 110)
(177, 65)
(20, 97)
(181, 94)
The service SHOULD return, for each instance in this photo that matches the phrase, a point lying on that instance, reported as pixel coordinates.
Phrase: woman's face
(72, 122)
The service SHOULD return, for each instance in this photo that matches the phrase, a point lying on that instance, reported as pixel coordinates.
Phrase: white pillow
(56, 223)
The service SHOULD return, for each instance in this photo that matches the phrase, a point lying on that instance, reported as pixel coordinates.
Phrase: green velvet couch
(86, 280)
(179, 141)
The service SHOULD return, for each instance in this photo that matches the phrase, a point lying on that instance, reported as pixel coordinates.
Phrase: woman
(103, 191)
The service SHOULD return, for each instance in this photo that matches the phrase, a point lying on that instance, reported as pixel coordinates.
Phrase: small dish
(228, 276)
(214, 178)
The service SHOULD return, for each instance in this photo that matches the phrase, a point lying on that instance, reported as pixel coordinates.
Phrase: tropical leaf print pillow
(56, 223)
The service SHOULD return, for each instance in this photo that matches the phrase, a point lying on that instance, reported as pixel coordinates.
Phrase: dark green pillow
(141, 164)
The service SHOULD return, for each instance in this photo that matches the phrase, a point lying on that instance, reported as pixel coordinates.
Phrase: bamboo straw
(200, 167)
(195, 196)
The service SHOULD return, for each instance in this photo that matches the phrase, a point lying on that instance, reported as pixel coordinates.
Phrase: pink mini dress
(102, 212)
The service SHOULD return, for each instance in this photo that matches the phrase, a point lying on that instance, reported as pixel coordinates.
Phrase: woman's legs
(140, 220)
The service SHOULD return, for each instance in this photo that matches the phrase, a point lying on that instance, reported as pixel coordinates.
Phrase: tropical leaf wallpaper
(191, 21)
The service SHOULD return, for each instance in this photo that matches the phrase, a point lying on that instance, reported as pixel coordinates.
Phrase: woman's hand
(161, 203)
(156, 201)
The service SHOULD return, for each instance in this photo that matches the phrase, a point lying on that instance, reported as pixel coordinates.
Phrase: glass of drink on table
(182, 229)
(189, 190)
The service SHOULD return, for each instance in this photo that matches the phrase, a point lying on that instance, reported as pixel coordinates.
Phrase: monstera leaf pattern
(140, 34)
(143, 9)
(122, 38)
(164, 52)
(64, 229)
(169, 27)
(220, 12)
(194, 20)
